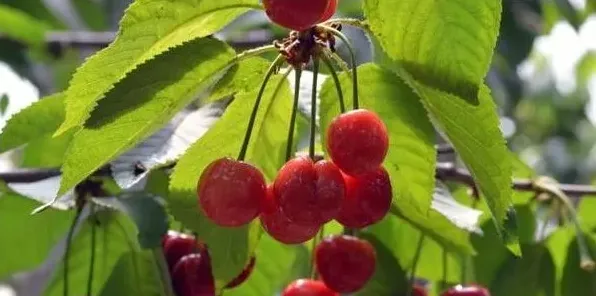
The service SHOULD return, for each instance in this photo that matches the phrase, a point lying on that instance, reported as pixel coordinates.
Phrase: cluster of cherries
(299, 15)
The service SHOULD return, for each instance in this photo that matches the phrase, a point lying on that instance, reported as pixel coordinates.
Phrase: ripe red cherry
(231, 192)
(345, 263)
(177, 246)
(309, 193)
(419, 291)
(330, 11)
(192, 276)
(304, 287)
(368, 199)
(295, 15)
(472, 290)
(241, 278)
(278, 226)
(357, 141)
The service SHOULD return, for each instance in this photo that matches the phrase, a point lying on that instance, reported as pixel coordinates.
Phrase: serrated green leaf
(22, 27)
(36, 121)
(411, 158)
(141, 104)
(136, 273)
(445, 44)
(241, 78)
(230, 247)
(26, 251)
(148, 29)
(115, 236)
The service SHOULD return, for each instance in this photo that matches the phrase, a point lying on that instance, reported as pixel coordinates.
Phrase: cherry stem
(415, 264)
(289, 147)
(69, 236)
(162, 266)
(255, 109)
(93, 221)
(343, 37)
(315, 241)
(313, 108)
(361, 24)
(340, 94)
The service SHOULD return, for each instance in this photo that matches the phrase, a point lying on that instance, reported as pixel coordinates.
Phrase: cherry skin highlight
(345, 263)
(241, 278)
(304, 287)
(308, 193)
(278, 226)
(178, 246)
(357, 141)
(231, 192)
(192, 276)
(472, 290)
(368, 199)
(296, 15)
(330, 11)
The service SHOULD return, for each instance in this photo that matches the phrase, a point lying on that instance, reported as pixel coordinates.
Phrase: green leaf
(576, 281)
(37, 9)
(444, 44)
(46, 151)
(230, 248)
(136, 273)
(148, 29)
(36, 121)
(26, 251)
(241, 78)
(586, 68)
(22, 27)
(115, 236)
(141, 104)
(491, 254)
(276, 266)
(411, 158)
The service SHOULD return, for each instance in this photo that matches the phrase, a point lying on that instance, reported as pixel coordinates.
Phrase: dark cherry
(368, 199)
(192, 276)
(357, 141)
(177, 246)
(472, 290)
(278, 226)
(419, 291)
(231, 192)
(309, 193)
(241, 278)
(296, 15)
(305, 287)
(330, 11)
(345, 263)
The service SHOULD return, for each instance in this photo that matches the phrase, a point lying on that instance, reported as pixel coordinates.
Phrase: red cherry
(192, 276)
(419, 291)
(231, 192)
(345, 263)
(178, 246)
(304, 287)
(308, 193)
(357, 141)
(241, 278)
(368, 199)
(472, 290)
(278, 226)
(295, 15)
(330, 11)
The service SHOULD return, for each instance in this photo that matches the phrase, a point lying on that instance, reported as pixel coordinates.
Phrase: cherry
(241, 278)
(177, 246)
(231, 192)
(345, 263)
(472, 290)
(305, 287)
(419, 291)
(278, 226)
(368, 199)
(330, 11)
(309, 193)
(192, 276)
(357, 141)
(296, 15)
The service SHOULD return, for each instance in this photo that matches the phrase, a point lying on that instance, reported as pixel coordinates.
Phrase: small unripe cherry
(295, 15)
(306, 287)
(368, 199)
(192, 276)
(231, 192)
(278, 226)
(177, 246)
(472, 290)
(357, 141)
(308, 193)
(330, 11)
(345, 263)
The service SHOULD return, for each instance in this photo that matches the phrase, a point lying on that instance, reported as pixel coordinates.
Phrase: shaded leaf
(242, 77)
(576, 281)
(136, 273)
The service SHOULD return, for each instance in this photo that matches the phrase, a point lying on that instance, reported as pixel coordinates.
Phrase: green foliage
(136, 273)
(241, 78)
(575, 280)
(444, 44)
(389, 277)
(21, 26)
(230, 247)
(141, 104)
(3, 103)
(148, 29)
(89, 11)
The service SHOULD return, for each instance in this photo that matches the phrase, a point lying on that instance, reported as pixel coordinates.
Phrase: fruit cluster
(352, 187)
(299, 15)
(190, 267)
